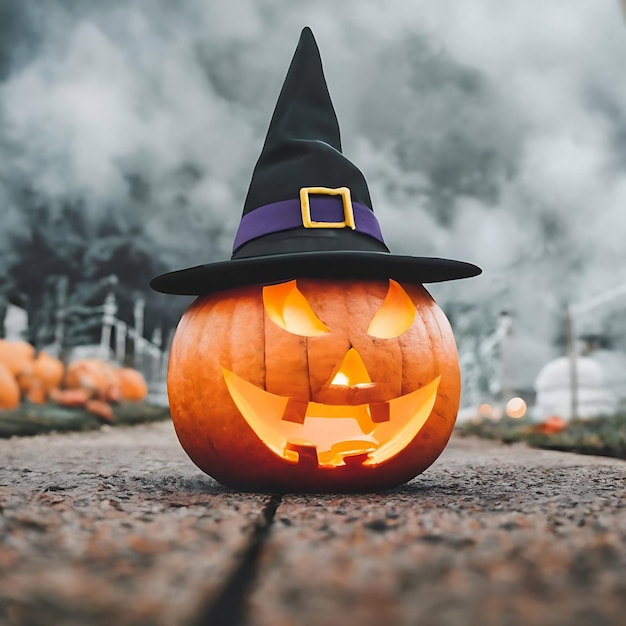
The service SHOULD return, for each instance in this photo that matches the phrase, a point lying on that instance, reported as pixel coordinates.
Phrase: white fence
(120, 342)
(148, 355)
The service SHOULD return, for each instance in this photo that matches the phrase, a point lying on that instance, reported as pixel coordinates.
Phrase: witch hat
(308, 212)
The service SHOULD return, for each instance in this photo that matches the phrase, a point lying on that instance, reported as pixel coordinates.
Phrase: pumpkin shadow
(164, 486)
(203, 485)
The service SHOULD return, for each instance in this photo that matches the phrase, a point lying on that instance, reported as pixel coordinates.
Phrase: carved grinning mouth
(368, 433)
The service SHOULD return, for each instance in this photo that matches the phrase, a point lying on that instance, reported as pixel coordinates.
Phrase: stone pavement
(118, 527)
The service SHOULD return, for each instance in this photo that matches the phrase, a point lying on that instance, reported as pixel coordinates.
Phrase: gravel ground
(113, 527)
(118, 527)
(489, 535)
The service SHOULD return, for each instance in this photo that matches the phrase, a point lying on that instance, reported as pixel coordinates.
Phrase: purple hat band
(272, 218)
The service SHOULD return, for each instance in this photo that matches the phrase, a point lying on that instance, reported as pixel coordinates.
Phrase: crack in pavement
(228, 608)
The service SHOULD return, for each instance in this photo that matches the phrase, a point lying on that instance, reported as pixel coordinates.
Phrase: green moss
(604, 436)
(36, 419)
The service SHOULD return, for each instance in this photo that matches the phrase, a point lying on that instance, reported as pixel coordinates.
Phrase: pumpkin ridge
(434, 322)
(377, 353)
(190, 315)
(326, 352)
(405, 362)
(445, 345)
(427, 326)
(441, 341)
(437, 412)
(308, 368)
(417, 341)
(263, 329)
(244, 314)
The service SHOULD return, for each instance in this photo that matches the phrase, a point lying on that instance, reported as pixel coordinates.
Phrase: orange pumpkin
(37, 393)
(40, 377)
(17, 356)
(132, 384)
(314, 385)
(48, 370)
(9, 389)
(95, 375)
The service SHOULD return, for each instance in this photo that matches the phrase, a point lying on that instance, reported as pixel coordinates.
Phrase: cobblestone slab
(118, 527)
(490, 535)
(114, 527)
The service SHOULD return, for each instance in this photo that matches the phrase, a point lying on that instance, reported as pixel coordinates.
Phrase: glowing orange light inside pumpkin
(516, 408)
(395, 315)
(352, 372)
(288, 308)
(330, 432)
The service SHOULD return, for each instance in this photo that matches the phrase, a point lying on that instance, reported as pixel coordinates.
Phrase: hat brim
(264, 270)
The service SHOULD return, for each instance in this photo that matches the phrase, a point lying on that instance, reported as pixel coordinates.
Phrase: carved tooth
(380, 412)
(295, 411)
(356, 459)
(307, 453)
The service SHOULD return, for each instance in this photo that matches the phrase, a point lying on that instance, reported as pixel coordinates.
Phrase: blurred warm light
(516, 407)
(485, 410)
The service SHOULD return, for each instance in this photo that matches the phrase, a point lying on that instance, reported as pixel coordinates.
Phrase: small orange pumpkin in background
(43, 375)
(132, 384)
(37, 393)
(9, 389)
(314, 384)
(48, 370)
(95, 375)
(18, 356)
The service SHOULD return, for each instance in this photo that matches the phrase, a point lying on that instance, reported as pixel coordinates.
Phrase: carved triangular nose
(352, 371)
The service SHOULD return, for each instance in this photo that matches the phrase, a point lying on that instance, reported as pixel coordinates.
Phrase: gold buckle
(348, 212)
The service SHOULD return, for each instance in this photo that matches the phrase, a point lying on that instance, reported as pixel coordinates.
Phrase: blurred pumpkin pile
(92, 384)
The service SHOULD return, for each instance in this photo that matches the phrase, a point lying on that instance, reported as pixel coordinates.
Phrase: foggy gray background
(488, 131)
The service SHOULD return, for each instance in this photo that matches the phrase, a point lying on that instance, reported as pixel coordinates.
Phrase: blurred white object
(554, 394)
(15, 323)
(613, 365)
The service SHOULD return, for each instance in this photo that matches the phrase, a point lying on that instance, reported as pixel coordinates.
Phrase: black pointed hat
(308, 212)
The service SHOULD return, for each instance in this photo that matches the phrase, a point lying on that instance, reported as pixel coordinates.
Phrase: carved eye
(395, 316)
(289, 309)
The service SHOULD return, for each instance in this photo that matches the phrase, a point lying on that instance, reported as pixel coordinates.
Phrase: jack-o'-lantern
(313, 360)
(314, 384)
